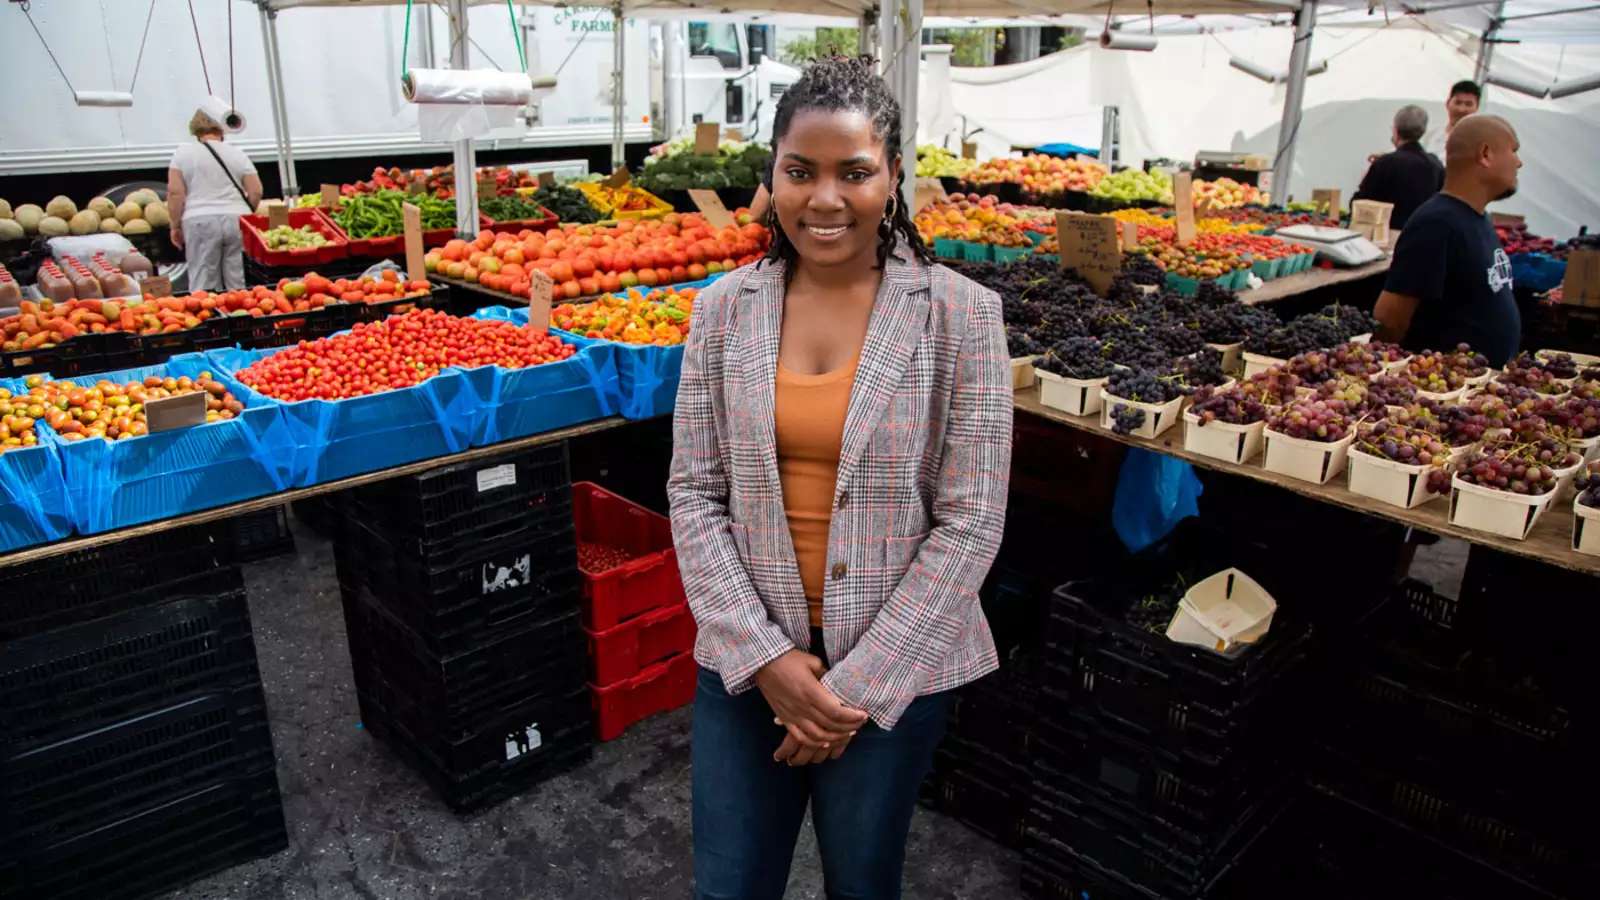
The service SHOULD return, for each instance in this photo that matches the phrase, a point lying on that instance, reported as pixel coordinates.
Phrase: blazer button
(839, 569)
(843, 499)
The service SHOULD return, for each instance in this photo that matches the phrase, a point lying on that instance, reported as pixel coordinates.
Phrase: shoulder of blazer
(717, 303)
(964, 300)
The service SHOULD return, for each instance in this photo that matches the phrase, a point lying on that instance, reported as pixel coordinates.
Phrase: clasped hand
(818, 725)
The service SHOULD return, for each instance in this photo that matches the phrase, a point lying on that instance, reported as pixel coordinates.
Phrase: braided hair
(839, 84)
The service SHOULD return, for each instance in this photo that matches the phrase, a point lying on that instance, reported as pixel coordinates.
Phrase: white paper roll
(479, 87)
(103, 98)
(223, 112)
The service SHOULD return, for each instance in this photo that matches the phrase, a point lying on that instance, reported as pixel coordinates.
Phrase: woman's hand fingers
(786, 750)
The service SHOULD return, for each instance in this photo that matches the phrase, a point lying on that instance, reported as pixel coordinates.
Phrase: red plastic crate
(255, 245)
(626, 650)
(650, 581)
(395, 244)
(664, 686)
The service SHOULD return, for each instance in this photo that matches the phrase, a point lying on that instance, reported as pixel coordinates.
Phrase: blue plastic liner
(1154, 493)
(513, 403)
(114, 484)
(1537, 272)
(333, 439)
(33, 493)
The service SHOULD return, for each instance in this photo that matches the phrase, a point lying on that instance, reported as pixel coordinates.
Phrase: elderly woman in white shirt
(209, 186)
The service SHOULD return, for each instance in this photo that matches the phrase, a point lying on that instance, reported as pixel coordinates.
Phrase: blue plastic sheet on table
(1537, 272)
(114, 484)
(33, 493)
(513, 403)
(1154, 493)
(333, 439)
(1066, 149)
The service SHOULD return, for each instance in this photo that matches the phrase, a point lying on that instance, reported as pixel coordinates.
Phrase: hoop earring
(892, 208)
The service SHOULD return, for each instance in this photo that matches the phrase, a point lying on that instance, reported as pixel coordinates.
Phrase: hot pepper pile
(660, 318)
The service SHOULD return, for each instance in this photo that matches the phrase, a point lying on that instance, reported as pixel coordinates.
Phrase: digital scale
(1340, 246)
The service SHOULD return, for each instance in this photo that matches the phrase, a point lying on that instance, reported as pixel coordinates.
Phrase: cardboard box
(1581, 287)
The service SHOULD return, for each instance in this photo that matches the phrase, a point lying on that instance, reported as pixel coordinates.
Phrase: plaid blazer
(919, 503)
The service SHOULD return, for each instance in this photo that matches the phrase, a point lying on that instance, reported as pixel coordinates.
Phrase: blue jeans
(748, 809)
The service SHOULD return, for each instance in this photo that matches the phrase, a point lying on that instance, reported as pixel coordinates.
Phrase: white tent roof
(996, 9)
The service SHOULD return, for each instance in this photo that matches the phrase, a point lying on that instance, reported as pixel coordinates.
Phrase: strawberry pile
(401, 351)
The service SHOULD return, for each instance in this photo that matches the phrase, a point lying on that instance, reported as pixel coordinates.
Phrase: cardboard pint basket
(1158, 417)
(1232, 357)
(1256, 363)
(1495, 511)
(1222, 440)
(1223, 613)
(1073, 396)
(1585, 529)
(1314, 461)
(1395, 483)
(1022, 373)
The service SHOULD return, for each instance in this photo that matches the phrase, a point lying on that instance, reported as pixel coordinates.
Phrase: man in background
(1450, 281)
(1464, 100)
(1409, 175)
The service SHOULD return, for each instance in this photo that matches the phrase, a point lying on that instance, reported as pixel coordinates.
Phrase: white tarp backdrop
(1184, 97)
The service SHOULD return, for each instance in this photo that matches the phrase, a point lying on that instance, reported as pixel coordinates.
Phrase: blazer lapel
(761, 325)
(899, 317)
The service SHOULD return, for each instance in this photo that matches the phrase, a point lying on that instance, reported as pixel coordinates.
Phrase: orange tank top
(808, 419)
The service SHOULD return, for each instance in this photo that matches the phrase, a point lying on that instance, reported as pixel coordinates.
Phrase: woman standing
(842, 444)
(209, 186)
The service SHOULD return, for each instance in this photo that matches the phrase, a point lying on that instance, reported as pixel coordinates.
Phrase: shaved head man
(1450, 281)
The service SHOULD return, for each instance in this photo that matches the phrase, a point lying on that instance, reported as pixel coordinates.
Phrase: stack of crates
(1484, 746)
(460, 592)
(1155, 764)
(135, 752)
(635, 615)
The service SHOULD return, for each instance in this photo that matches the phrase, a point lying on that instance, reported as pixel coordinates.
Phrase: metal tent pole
(280, 108)
(900, 51)
(619, 157)
(466, 158)
(867, 33)
(1486, 47)
(1305, 22)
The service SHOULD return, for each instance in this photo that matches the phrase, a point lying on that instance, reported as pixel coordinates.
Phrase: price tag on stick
(277, 214)
(413, 232)
(969, 150)
(618, 178)
(487, 187)
(1326, 200)
(539, 291)
(1089, 245)
(181, 411)
(1130, 235)
(328, 198)
(707, 136)
(156, 286)
(928, 190)
(547, 179)
(1183, 204)
(710, 206)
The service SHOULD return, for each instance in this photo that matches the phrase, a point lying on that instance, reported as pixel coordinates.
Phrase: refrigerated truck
(341, 70)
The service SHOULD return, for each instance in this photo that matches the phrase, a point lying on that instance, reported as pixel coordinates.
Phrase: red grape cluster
(1588, 485)
(1356, 394)
(1519, 467)
(1579, 416)
(1235, 406)
(1466, 361)
(1586, 390)
(1313, 367)
(1510, 393)
(1402, 444)
(1364, 359)
(1561, 365)
(1312, 419)
(1431, 371)
(1274, 387)
(1524, 372)
(1199, 369)
(1391, 390)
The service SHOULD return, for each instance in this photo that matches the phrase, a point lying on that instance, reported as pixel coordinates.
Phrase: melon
(110, 226)
(127, 212)
(5, 209)
(85, 222)
(143, 196)
(103, 206)
(11, 230)
(137, 226)
(28, 216)
(61, 207)
(53, 226)
(155, 212)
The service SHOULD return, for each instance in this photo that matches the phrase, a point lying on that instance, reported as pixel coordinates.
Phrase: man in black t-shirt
(1450, 282)
(1408, 176)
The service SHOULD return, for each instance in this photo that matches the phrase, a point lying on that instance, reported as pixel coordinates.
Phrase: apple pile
(969, 217)
(584, 260)
(1225, 193)
(1516, 238)
(1039, 174)
(1135, 185)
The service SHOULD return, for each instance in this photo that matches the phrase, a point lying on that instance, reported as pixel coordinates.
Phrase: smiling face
(831, 184)
(1461, 105)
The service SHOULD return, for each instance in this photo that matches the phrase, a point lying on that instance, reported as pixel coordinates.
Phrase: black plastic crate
(287, 329)
(538, 475)
(98, 673)
(260, 535)
(521, 747)
(1531, 837)
(75, 785)
(992, 809)
(460, 539)
(1181, 697)
(159, 850)
(498, 587)
(1118, 839)
(159, 347)
(45, 600)
(454, 695)
(322, 513)
(1188, 792)
(997, 712)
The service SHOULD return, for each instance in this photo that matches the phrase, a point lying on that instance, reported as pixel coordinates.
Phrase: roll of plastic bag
(103, 98)
(223, 113)
(458, 104)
